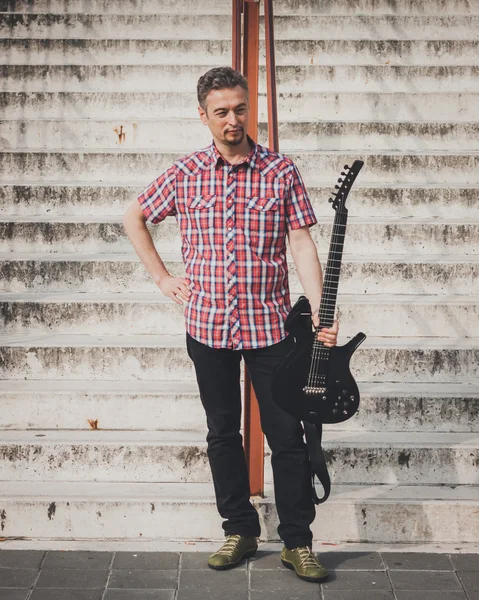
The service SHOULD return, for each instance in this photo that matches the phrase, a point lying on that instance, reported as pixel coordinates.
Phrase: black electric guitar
(314, 382)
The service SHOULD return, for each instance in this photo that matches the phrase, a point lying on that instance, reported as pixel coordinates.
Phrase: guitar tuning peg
(346, 167)
(336, 187)
(343, 173)
(330, 200)
(340, 180)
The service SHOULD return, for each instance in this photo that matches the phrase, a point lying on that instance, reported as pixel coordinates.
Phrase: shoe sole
(247, 554)
(291, 566)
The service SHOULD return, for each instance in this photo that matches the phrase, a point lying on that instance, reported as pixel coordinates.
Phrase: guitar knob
(345, 392)
(325, 398)
(336, 404)
(345, 412)
(351, 398)
(335, 411)
(339, 398)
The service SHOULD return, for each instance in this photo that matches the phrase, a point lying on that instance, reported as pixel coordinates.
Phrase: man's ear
(203, 115)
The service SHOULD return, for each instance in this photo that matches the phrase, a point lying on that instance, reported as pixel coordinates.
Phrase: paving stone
(312, 594)
(199, 560)
(140, 595)
(278, 581)
(417, 561)
(13, 594)
(72, 579)
(470, 580)
(213, 594)
(357, 595)
(357, 580)
(351, 561)
(17, 578)
(423, 595)
(425, 580)
(47, 594)
(266, 560)
(139, 579)
(203, 583)
(157, 561)
(78, 560)
(465, 562)
(473, 595)
(23, 559)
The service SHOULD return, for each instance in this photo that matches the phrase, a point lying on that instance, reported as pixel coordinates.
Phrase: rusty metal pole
(273, 133)
(236, 37)
(253, 435)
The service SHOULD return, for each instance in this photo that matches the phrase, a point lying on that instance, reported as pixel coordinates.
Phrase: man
(235, 203)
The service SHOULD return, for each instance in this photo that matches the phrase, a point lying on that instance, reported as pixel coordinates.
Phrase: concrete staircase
(97, 97)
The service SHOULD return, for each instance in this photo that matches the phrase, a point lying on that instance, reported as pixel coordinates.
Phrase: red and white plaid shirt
(233, 221)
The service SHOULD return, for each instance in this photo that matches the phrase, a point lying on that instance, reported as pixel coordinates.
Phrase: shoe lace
(230, 545)
(307, 557)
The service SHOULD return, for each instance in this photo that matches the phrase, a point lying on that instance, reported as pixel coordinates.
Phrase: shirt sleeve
(157, 201)
(299, 211)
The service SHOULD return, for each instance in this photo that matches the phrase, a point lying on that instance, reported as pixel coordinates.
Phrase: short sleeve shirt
(233, 222)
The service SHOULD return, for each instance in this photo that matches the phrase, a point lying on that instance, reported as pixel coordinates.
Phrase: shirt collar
(252, 158)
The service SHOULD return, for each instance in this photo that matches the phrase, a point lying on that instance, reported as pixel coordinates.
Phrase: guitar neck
(329, 295)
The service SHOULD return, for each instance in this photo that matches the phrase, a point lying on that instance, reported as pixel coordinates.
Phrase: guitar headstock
(348, 177)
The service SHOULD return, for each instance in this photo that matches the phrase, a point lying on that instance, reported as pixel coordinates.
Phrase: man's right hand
(175, 288)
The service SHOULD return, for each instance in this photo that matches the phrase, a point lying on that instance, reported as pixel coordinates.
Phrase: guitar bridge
(314, 390)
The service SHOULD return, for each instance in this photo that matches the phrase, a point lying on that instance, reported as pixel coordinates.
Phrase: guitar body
(339, 399)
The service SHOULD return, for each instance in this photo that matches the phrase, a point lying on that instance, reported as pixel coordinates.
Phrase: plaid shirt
(233, 221)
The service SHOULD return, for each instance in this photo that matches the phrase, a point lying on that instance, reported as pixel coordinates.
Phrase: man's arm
(310, 274)
(134, 222)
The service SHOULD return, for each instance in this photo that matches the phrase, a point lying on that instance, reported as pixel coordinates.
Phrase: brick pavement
(54, 575)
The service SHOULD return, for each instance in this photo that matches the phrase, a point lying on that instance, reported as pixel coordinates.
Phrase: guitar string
(320, 355)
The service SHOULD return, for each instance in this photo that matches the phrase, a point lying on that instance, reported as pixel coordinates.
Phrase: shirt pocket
(263, 224)
(201, 202)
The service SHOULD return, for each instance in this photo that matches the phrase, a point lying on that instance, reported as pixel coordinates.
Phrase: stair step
(379, 315)
(101, 200)
(436, 274)
(386, 514)
(365, 106)
(175, 405)
(281, 7)
(371, 237)
(56, 356)
(290, 79)
(218, 52)
(143, 167)
(180, 457)
(166, 26)
(177, 134)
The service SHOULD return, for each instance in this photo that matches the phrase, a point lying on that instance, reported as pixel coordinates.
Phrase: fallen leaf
(93, 423)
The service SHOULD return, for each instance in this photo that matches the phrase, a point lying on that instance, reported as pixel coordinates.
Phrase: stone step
(218, 52)
(223, 7)
(176, 134)
(383, 106)
(294, 27)
(371, 237)
(438, 274)
(307, 7)
(164, 357)
(378, 315)
(159, 511)
(388, 202)
(317, 168)
(180, 457)
(290, 79)
(175, 405)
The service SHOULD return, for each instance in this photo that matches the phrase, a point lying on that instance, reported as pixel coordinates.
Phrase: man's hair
(219, 78)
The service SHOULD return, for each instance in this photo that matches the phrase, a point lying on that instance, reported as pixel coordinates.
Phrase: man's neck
(234, 154)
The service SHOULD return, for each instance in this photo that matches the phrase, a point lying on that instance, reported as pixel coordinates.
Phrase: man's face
(227, 115)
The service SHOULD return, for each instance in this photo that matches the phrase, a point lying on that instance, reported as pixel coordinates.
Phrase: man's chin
(234, 140)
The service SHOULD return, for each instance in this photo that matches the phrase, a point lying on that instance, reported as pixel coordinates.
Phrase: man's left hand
(329, 336)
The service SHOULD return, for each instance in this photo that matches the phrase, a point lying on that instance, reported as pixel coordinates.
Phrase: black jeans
(218, 375)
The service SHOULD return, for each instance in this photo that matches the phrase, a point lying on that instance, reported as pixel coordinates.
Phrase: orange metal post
(273, 134)
(253, 435)
(237, 12)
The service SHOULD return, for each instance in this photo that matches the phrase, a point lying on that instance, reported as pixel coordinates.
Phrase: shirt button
(230, 229)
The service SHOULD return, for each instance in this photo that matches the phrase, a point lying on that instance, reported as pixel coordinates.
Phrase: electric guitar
(314, 382)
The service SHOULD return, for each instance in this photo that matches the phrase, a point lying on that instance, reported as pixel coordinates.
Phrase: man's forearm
(309, 272)
(142, 242)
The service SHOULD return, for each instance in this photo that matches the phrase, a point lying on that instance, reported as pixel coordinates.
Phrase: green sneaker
(304, 563)
(233, 551)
